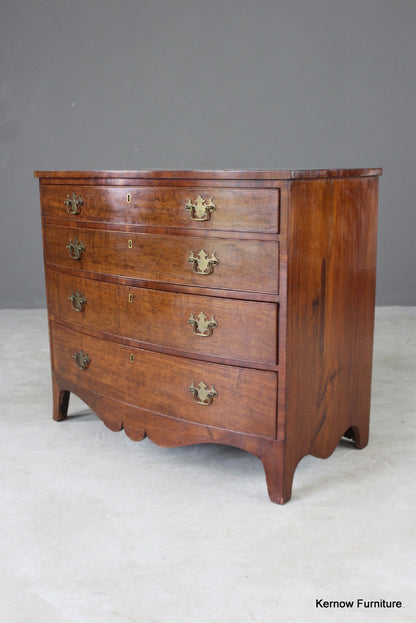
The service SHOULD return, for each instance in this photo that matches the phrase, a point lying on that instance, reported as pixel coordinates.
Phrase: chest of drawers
(230, 307)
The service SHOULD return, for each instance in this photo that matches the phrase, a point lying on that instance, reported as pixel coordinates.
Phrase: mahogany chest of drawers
(231, 307)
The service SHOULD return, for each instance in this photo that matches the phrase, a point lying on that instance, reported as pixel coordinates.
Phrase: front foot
(60, 399)
(279, 477)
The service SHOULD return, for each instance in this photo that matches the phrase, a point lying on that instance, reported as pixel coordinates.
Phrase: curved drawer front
(201, 208)
(226, 328)
(227, 397)
(245, 265)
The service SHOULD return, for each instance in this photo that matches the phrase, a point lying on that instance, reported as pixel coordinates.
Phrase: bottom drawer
(226, 397)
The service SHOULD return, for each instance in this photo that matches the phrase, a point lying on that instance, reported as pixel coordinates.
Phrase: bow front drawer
(204, 325)
(199, 208)
(216, 395)
(244, 265)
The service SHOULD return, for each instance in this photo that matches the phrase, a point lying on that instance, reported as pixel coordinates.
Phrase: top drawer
(229, 209)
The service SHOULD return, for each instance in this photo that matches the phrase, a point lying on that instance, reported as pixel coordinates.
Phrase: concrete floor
(97, 528)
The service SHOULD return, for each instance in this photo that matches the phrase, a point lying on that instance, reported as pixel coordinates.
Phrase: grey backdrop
(124, 84)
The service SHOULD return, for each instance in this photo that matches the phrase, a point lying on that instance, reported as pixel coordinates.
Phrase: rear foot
(359, 435)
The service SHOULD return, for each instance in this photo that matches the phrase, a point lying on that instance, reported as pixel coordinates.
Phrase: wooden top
(227, 174)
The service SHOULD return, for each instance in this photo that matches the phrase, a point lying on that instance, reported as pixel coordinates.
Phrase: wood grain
(154, 317)
(331, 295)
(255, 210)
(224, 174)
(246, 398)
(247, 265)
(292, 293)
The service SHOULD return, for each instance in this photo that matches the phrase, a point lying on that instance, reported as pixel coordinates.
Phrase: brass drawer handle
(78, 300)
(75, 249)
(201, 394)
(73, 204)
(82, 361)
(201, 325)
(201, 263)
(200, 210)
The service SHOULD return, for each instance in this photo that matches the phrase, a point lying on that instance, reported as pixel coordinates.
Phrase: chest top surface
(226, 174)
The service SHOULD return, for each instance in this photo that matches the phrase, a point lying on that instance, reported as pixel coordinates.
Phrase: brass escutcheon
(73, 204)
(128, 197)
(200, 210)
(130, 298)
(132, 358)
(130, 243)
(77, 301)
(201, 394)
(201, 263)
(201, 325)
(82, 361)
(75, 249)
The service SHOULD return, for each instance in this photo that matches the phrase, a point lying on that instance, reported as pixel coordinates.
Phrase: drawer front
(245, 265)
(237, 399)
(195, 208)
(226, 328)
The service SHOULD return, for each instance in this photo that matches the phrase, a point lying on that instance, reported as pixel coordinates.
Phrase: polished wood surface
(332, 295)
(224, 174)
(235, 209)
(247, 265)
(160, 383)
(291, 296)
(160, 319)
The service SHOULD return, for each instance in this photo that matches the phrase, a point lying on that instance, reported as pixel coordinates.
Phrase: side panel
(331, 297)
